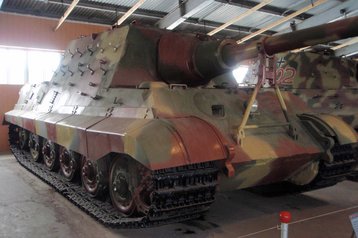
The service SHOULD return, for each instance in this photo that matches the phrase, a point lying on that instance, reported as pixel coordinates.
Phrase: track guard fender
(329, 131)
(166, 143)
(332, 126)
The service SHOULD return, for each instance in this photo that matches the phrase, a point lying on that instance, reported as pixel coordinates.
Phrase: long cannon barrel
(232, 54)
(193, 61)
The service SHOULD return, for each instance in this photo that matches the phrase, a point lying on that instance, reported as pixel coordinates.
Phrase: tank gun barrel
(232, 54)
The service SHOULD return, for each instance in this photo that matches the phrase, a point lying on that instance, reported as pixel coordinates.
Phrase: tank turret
(130, 112)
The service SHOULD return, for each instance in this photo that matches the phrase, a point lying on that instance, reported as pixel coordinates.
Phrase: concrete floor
(30, 208)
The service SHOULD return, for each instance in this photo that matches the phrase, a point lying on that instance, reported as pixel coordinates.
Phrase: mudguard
(157, 143)
(332, 126)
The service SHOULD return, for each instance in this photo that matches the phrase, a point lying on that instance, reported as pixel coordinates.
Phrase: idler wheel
(69, 163)
(50, 155)
(93, 175)
(23, 139)
(129, 187)
(35, 147)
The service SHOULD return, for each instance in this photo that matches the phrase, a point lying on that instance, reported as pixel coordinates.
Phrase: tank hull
(190, 134)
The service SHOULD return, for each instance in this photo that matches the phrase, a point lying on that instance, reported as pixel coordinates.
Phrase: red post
(285, 218)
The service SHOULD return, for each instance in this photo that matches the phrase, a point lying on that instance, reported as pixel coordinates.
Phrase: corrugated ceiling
(206, 19)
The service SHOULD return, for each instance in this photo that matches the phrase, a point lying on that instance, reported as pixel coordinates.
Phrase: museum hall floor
(30, 208)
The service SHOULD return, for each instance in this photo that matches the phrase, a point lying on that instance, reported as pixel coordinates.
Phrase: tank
(327, 83)
(142, 117)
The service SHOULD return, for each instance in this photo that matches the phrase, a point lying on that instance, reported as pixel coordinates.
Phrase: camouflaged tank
(146, 119)
(328, 84)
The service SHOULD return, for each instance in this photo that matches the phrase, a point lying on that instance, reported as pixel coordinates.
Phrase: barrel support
(267, 71)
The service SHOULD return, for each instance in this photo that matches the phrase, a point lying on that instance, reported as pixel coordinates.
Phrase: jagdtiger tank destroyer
(147, 120)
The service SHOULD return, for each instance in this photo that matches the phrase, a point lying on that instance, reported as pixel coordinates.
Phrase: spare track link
(181, 193)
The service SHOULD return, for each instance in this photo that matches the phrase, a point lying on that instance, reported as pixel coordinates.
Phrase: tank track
(181, 193)
(329, 174)
(345, 158)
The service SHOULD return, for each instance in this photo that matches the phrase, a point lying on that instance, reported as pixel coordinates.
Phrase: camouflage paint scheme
(326, 83)
(109, 95)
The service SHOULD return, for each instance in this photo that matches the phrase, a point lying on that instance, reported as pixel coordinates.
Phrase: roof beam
(130, 11)
(347, 51)
(110, 8)
(335, 13)
(347, 43)
(112, 11)
(245, 14)
(276, 23)
(182, 13)
(238, 30)
(34, 13)
(268, 9)
(68, 12)
(300, 49)
(151, 16)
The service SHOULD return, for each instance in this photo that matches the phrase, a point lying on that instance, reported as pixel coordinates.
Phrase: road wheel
(69, 163)
(50, 155)
(94, 175)
(35, 143)
(130, 186)
(23, 139)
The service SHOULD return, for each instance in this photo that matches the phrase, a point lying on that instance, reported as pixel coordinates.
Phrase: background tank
(327, 83)
(135, 113)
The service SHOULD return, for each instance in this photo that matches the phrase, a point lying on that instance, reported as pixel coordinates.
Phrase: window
(41, 65)
(12, 66)
(19, 66)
